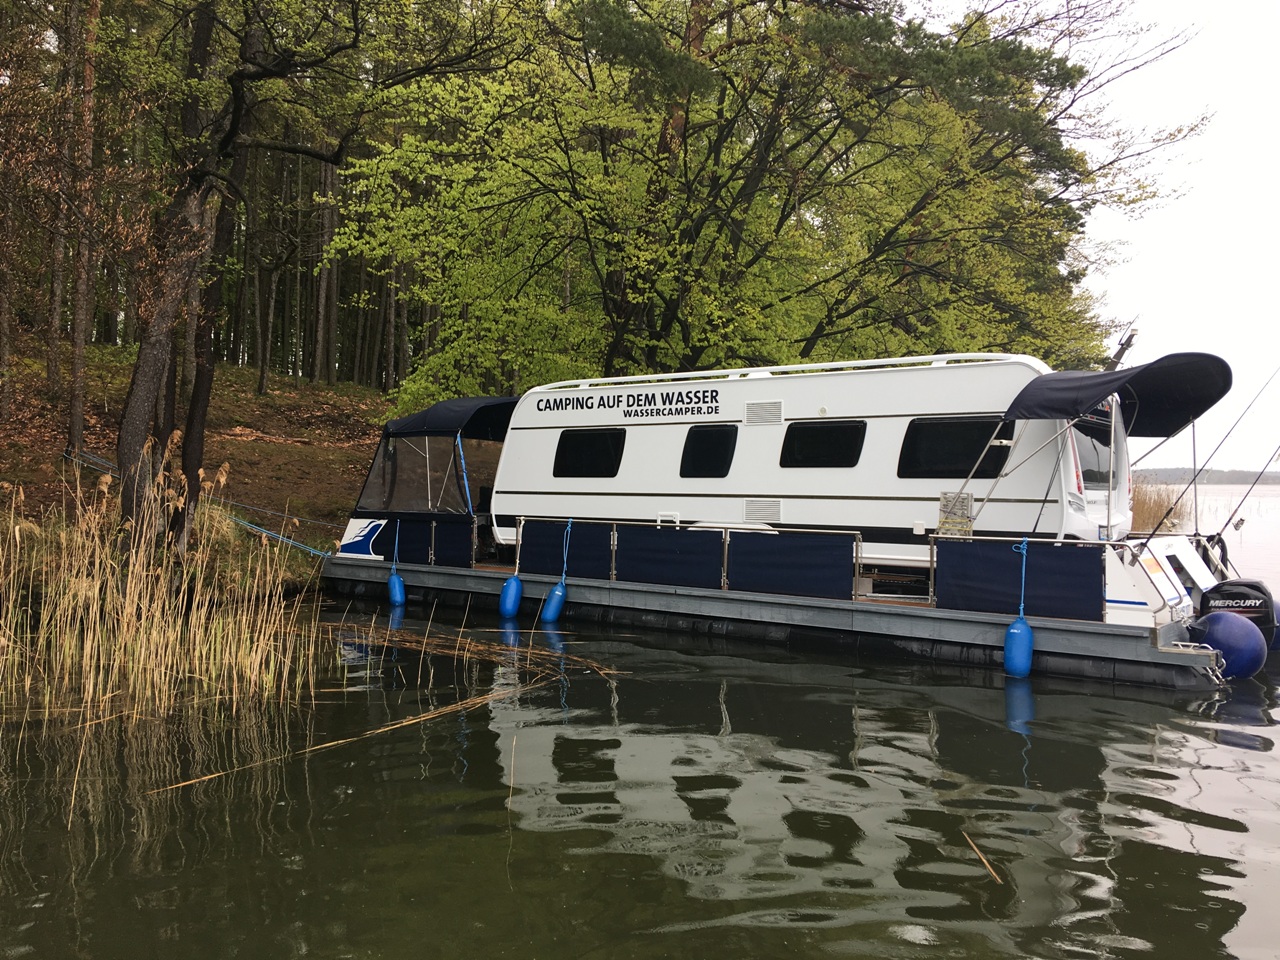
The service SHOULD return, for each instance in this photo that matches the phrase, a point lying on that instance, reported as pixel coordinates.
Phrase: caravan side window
(823, 443)
(589, 453)
(708, 450)
(948, 447)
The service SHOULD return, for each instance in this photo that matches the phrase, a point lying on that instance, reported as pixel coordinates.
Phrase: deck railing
(798, 562)
(1064, 579)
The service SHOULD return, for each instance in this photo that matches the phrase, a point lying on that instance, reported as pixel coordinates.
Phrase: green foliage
(658, 186)
(617, 34)
(595, 186)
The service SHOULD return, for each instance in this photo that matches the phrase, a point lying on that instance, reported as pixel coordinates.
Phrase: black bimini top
(475, 418)
(1157, 399)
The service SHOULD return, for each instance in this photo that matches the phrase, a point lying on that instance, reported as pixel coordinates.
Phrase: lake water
(1255, 546)
(708, 799)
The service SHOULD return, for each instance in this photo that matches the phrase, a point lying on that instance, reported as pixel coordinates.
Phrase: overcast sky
(1198, 271)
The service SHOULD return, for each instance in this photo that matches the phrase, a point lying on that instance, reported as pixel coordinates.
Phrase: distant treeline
(1182, 475)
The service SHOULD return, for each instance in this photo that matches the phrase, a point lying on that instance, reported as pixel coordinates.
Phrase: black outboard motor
(1249, 598)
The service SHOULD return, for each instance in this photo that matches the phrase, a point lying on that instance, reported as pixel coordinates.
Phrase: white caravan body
(872, 446)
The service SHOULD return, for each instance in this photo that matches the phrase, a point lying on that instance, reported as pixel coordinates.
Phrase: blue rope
(282, 539)
(1022, 549)
(564, 571)
(395, 553)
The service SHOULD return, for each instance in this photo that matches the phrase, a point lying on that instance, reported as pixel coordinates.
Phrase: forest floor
(301, 449)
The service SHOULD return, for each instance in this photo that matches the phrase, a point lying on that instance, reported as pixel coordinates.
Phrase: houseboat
(919, 503)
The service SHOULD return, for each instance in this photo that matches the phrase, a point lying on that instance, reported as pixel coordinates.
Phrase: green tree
(665, 186)
(225, 79)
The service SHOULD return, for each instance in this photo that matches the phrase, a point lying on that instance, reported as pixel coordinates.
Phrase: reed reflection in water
(709, 799)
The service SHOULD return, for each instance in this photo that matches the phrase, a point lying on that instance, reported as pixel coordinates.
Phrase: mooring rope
(1022, 596)
(279, 537)
(564, 570)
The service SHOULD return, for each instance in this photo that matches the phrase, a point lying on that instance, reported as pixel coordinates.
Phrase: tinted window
(1092, 435)
(708, 450)
(948, 447)
(823, 443)
(589, 453)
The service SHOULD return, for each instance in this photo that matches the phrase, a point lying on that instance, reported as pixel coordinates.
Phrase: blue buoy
(1018, 644)
(395, 616)
(554, 603)
(1237, 638)
(1018, 639)
(395, 589)
(509, 599)
(395, 583)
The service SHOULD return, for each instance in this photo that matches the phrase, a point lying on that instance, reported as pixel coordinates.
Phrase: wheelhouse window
(1092, 435)
(948, 448)
(435, 474)
(589, 453)
(823, 443)
(708, 450)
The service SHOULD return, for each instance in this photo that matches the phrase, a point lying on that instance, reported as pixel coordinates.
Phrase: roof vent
(763, 411)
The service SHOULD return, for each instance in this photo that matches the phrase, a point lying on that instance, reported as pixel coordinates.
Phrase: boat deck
(894, 624)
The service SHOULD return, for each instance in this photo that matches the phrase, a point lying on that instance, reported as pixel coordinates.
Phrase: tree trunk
(81, 316)
(6, 348)
(224, 234)
(57, 280)
(181, 238)
(164, 420)
(268, 328)
(191, 319)
(82, 310)
(322, 359)
(129, 329)
(402, 341)
(294, 320)
(389, 334)
(375, 350)
(361, 314)
(109, 331)
(331, 338)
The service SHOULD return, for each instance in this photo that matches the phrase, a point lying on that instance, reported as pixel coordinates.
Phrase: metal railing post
(724, 560)
(613, 553)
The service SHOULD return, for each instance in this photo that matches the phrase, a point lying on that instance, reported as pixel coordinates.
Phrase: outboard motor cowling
(1249, 598)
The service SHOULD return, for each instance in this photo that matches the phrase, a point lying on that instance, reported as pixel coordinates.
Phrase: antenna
(1126, 343)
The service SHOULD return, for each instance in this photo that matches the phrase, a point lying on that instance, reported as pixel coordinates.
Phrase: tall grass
(114, 620)
(1151, 503)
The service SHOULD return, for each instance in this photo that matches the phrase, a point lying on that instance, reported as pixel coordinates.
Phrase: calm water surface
(708, 800)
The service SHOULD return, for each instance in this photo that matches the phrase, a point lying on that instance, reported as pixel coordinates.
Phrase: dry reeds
(1151, 503)
(117, 619)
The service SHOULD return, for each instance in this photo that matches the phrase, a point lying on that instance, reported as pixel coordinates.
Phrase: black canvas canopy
(475, 418)
(1157, 399)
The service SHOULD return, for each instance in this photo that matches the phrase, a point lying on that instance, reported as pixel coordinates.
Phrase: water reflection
(782, 783)
(709, 800)
(87, 813)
